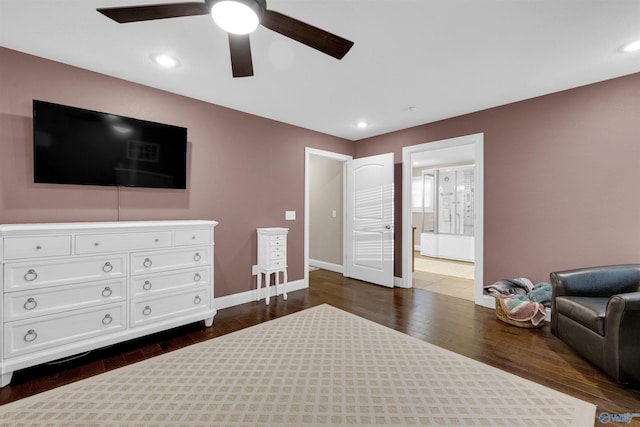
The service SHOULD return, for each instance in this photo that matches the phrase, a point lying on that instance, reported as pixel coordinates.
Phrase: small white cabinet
(73, 287)
(272, 258)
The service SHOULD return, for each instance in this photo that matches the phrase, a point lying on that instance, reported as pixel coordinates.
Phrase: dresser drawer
(117, 242)
(278, 254)
(27, 336)
(39, 302)
(37, 274)
(36, 246)
(149, 262)
(172, 306)
(278, 263)
(192, 237)
(278, 240)
(152, 284)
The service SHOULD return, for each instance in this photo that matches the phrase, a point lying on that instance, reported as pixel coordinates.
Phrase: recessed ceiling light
(165, 60)
(362, 125)
(631, 47)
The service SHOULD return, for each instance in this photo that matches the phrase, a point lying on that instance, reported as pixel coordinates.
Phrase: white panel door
(369, 225)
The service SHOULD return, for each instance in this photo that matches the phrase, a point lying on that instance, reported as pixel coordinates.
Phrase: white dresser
(272, 258)
(73, 287)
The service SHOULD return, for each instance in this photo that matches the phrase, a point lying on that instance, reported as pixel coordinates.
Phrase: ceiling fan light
(236, 17)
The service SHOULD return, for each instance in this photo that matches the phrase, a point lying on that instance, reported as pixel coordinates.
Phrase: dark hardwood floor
(448, 322)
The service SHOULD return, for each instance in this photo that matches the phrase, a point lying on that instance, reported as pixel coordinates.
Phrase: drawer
(119, 242)
(36, 246)
(37, 274)
(192, 237)
(277, 263)
(171, 306)
(152, 284)
(31, 335)
(281, 254)
(278, 240)
(149, 262)
(39, 302)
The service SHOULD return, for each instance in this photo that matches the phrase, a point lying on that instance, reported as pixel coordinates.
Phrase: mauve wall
(562, 178)
(244, 171)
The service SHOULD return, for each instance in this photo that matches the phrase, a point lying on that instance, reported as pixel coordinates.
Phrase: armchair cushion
(589, 312)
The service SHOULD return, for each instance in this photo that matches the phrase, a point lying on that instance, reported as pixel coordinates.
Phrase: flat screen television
(77, 146)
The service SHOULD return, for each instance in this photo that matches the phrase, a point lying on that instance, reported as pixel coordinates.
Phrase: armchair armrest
(622, 323)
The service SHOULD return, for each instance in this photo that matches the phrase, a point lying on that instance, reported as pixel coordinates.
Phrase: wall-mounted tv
(77, 146)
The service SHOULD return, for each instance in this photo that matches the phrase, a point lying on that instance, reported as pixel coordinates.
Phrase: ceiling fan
(238, 18)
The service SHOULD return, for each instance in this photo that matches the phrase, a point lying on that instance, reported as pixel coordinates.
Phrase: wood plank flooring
(451, 323)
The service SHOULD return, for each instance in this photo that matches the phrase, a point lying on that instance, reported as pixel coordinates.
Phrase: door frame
(407, 250)
(308, 152)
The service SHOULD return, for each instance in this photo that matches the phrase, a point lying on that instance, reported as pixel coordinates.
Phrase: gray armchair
(596, 311)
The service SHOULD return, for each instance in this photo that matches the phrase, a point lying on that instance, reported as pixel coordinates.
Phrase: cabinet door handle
(30, 336)
(146, 285)
(38, 247)
(146, 311)
(30, 304)
(197, 299)
(147, 262)
(107, 291)
(107, 319)
(107, 267)
(197, 257)
(30, 275)
(197, 277)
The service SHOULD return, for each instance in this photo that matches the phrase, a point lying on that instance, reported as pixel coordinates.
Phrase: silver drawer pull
(157, 240)
(146, 311)
(197, 257)
(147, 262)
(147, 285)
(30, 304)
(107, 291)
(30, 275)
(197, 277)
(30, 336)
(197, 299)
(38, 247)
(107, 267)
(96, 244)
(107, 319)
(193, 237)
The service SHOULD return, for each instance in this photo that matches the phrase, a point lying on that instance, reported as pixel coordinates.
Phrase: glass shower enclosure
(448, 213)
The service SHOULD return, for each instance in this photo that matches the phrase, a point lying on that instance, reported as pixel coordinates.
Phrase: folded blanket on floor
(522, 311)
(541, 293)
(518, 286)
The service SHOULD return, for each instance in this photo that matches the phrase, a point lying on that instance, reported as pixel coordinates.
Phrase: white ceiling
(443, 57)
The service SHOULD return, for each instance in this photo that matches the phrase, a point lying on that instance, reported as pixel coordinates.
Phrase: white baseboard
(249, 296)
(326, 265)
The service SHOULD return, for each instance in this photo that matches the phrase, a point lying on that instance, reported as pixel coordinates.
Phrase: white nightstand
(272, 258)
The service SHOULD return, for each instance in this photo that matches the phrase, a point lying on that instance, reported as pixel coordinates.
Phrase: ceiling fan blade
(307, 34)
(154, 11)
(240, 49)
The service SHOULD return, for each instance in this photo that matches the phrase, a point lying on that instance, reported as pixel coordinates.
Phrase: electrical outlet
(254, 270)
(290, 215)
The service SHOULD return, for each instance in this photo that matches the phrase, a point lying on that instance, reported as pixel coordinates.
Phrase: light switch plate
(290, 215)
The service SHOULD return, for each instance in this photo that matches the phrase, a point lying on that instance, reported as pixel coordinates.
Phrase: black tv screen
(77, 146)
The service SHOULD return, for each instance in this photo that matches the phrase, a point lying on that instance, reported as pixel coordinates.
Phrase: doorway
(454, 223)
(327, 167)
(366, 217)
